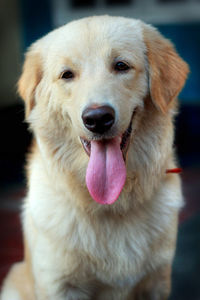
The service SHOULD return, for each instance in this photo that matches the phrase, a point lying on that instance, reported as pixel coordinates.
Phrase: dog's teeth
(86, 143)
(129, 130)
(125, 137)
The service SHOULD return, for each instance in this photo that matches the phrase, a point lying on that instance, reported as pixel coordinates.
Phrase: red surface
(11, 249)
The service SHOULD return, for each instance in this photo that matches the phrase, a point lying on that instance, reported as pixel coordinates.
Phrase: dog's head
(84, 84)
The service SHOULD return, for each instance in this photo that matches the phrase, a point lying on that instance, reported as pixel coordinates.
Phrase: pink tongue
(106, 172)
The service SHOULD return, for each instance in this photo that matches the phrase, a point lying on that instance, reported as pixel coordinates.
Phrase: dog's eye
(121, 66)
(67, 75)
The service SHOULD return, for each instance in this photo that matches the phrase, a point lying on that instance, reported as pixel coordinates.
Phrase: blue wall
(186, 37)
(36, 20)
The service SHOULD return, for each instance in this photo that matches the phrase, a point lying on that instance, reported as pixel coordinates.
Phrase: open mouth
(124, 144)
(106, 170)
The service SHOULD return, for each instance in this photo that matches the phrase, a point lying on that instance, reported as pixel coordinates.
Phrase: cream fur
(76, 249)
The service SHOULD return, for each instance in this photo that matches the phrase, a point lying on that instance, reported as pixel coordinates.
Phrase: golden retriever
(100, 216)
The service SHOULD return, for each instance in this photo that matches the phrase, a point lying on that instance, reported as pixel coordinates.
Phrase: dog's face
(83, 85)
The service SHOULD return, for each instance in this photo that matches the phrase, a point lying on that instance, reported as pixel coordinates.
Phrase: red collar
(175, 171)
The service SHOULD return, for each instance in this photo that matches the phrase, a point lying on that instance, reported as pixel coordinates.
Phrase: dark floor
(186, 278)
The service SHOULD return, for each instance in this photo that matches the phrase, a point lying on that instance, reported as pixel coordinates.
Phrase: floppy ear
(30, 78)
(167, 71)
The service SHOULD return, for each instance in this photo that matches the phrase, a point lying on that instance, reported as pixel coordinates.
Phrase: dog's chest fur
(109, 248)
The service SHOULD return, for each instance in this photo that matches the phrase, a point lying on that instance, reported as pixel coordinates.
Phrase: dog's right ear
(30, 78)
(167, 70)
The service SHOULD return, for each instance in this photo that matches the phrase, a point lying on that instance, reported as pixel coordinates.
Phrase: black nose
(98, 119)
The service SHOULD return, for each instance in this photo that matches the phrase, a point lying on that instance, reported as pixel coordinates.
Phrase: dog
(100, 216)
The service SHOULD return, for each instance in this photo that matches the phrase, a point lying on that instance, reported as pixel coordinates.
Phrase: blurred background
(22, 22)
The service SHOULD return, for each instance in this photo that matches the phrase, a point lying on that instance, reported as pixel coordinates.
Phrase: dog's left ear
(167, 71)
